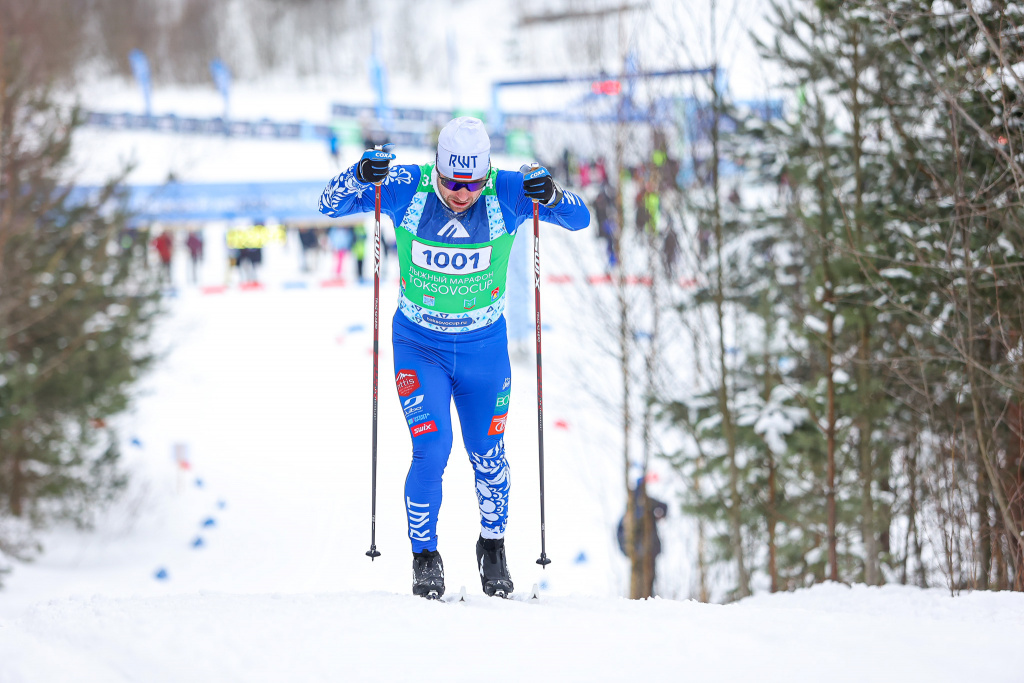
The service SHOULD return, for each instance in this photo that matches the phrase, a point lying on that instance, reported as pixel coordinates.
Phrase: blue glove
(539, 186)
(373, 166)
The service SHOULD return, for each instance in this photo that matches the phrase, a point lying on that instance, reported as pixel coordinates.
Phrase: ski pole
(373, 552)
(543, 561)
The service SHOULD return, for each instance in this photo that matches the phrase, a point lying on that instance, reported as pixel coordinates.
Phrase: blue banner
(284, 201)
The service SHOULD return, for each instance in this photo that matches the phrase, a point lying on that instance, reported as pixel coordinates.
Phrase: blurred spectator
(609, 231)
(604, 206)
(652, 202)
(249, 261)
(359, 248)
(585, 174)
(601, 171)
(568, 165)
(670, 251)
(250, 256)
(340, 240)
(309, 242)
(164, 246)
(194, 242)
(704, 239)
(643, 216)
(647, 518)
(334, 144)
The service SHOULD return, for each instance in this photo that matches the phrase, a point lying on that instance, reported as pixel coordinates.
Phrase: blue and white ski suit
(440, 356)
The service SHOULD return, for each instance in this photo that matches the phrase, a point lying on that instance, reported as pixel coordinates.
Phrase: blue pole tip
(198, 543)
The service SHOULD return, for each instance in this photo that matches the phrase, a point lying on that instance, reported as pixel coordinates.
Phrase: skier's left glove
(373, 166)
(540, 186)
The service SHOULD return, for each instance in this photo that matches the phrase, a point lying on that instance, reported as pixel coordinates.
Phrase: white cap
(463, 149)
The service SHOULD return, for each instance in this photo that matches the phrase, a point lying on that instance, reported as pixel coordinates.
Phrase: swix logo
(407, 382)
(426, 427)
(507, 384)
(412, 404)
(454, 229)
(497, 425)
(495, 292)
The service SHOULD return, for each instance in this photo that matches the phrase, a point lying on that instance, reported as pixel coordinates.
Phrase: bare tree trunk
(867, 470)
(772, 515)
(1002, 582)
(650, 366)
(703, 594)
(830, 442)
(649, 555)
(872, 574)
(1013, 534)
(984, 533)
(728, 429)
(16, 496)
(630, 520)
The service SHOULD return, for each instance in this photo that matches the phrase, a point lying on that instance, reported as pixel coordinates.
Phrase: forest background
(854, 319)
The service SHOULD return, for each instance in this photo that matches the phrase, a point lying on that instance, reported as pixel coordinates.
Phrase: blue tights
(431, 369)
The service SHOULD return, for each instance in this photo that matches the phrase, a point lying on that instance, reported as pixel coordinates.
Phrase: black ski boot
(427, 574)
(490, 558)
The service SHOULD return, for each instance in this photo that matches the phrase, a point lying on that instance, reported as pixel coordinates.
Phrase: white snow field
(237, 554)
(261, 540)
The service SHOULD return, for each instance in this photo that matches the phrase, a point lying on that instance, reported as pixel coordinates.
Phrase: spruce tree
(76, 305)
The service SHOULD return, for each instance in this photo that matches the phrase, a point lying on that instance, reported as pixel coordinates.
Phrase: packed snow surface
(238, 553)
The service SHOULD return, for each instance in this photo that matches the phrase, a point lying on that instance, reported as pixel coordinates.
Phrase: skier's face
(461, 199)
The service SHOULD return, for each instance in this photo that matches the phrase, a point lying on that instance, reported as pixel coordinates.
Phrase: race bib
(450, 260)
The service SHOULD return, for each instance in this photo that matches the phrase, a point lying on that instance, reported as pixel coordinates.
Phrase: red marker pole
(373, 552)
(543, 561)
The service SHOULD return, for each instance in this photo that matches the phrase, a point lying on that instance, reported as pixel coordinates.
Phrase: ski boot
(427, 575)
(490, 558)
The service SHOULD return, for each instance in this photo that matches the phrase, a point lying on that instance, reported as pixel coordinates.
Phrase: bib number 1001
(451, 260)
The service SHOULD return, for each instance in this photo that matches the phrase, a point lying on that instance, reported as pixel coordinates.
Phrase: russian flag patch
(463, 176)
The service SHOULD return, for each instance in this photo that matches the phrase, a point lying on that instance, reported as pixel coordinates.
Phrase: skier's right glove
(373, 166)
(539, 186)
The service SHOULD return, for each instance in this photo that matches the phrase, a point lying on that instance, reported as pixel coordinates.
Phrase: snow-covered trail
(829, 633)
(261, 540)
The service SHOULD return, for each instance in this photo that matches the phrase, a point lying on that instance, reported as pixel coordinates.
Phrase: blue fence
(171, 123)
(417, 128)
(181, 202)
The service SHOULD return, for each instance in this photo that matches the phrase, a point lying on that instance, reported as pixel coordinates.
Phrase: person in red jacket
(164, 246)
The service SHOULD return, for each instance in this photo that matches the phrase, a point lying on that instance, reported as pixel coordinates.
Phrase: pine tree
(76, 306)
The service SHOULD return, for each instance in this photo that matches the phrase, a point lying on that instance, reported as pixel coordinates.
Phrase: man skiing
(455, 222)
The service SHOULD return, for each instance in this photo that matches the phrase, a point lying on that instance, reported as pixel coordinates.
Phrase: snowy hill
(892, 634)
(238, 552)
(249, 565)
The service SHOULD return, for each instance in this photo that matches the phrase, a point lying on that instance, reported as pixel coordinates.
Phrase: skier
(456, 220)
